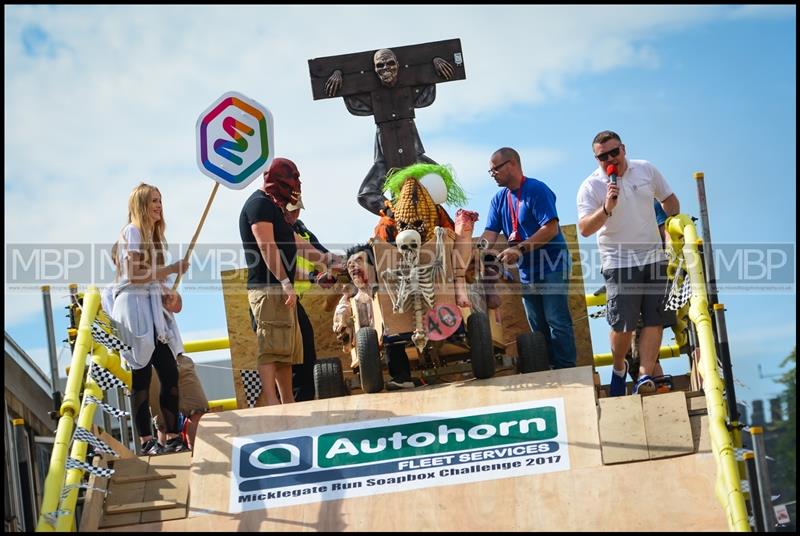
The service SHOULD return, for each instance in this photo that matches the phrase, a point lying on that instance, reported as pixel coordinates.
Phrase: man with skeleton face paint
(271, 247)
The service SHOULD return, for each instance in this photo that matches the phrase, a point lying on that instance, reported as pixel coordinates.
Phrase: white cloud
(763, 12)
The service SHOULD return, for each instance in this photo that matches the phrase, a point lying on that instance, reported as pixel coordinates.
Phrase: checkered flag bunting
(251, 382)
(82, 434)
(108, 408)
(600, 313)
(52, 517)
(102, 472)
(105, 379)
(111, 342)
(679, 298)
(85, 486)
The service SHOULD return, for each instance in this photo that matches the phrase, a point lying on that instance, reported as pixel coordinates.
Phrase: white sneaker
(396, 385)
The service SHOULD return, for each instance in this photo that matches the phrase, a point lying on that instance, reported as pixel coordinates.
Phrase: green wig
(396, 177)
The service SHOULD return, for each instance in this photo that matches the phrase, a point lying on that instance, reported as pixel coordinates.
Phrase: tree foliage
(786, 441)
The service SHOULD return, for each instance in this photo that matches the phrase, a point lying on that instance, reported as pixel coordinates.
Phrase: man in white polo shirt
(616, 202)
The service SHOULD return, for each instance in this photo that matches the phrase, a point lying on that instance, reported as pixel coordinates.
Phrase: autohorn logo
(402, 453)
(275, 457)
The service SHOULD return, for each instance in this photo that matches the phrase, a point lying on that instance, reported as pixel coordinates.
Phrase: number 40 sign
(442, 321)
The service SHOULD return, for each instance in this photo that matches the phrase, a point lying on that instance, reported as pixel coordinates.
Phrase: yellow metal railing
(208, 345)
(71, 411)
(684, 242)
(61, 485)
(601, 360)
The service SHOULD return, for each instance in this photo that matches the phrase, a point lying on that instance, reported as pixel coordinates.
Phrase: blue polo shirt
(537, 206)
(661, 216)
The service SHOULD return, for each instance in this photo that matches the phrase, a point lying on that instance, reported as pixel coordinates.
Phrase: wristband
(285, 281)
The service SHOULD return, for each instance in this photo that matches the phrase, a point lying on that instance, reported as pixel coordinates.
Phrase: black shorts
(634, 291)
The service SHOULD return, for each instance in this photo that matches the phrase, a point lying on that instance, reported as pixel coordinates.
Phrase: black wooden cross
(361, 79)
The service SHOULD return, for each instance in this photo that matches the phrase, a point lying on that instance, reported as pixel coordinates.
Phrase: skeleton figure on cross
(402, 81)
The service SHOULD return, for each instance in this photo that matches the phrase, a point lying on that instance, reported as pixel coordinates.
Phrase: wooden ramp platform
(519, 453)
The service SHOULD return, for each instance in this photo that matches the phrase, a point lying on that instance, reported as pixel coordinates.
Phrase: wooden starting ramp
(509, 453)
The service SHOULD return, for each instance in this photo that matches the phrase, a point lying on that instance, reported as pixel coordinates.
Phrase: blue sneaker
(644, 385)
(617, 387)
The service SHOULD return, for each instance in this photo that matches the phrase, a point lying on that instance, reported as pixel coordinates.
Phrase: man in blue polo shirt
(525, 211)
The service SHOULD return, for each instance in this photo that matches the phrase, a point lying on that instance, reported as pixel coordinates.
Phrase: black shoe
(151, 447)
(175, 444)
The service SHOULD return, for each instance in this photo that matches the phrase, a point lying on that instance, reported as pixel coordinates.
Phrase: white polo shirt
(630, 235)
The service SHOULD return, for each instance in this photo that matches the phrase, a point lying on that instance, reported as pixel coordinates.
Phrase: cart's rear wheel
(329, 378)
(532, 352)
(479, 336)
(369, 360)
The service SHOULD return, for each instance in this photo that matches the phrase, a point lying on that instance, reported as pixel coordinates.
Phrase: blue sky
(99, 98)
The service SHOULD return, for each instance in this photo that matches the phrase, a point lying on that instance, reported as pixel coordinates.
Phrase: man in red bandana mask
(271, 247)
(282, 185)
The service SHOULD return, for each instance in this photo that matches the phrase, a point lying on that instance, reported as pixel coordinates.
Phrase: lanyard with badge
(515, 237)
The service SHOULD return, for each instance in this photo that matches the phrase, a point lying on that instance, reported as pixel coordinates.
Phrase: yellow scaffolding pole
(49, 520)
(601, 360)
(684, 239)
(206, 345)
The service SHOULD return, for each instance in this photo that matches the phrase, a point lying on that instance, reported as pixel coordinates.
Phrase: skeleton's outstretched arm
(334, 83)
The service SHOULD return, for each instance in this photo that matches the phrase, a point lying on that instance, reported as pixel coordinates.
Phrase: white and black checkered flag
(82, 434)
(108, 408)
(84, 485)
(678, 299)
(102, 472)
(600, 313)
(252, 386)
(105, 379)
(109, 341)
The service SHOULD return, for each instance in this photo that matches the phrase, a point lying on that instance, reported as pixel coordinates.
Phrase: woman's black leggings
(167, 370)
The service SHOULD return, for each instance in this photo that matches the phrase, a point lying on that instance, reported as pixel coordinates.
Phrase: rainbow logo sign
(234, 140)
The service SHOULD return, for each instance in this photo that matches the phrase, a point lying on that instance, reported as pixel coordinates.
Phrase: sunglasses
(496, 168)
(613, 153)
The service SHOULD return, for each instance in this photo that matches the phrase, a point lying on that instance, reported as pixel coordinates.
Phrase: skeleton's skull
(408, 242)
(386, 66)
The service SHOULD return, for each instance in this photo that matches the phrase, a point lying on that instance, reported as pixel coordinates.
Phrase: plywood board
(622, 432)
(564, 502)
(681, 382)
(577, 299)
(211, 467)
(666, 423)
(243, 339)
(93, 501)
(121, 450)
(120, 494)
(696, 403)
(241, 336)
(701, 437)
(173, 490)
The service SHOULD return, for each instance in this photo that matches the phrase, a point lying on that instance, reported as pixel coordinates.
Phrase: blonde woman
(144, 323)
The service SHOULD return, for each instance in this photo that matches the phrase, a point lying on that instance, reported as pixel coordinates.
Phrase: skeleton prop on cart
(411, 285)
(419, 191)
